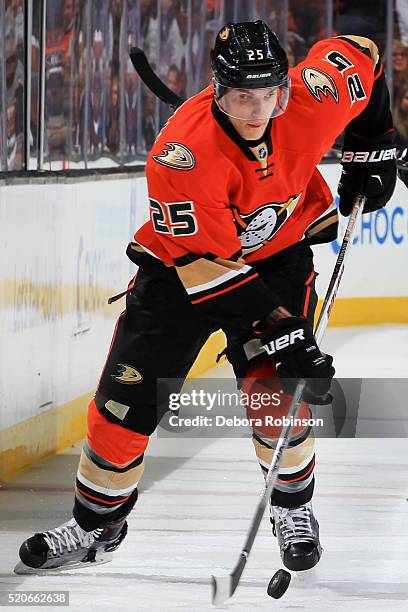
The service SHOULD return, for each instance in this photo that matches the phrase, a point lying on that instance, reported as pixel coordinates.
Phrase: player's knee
(267, 405)
(112, 442)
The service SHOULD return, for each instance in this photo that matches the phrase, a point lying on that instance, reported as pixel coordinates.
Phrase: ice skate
(297, 531)
(69, 546)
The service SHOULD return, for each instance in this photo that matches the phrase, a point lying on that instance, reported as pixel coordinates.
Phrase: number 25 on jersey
(175, 218)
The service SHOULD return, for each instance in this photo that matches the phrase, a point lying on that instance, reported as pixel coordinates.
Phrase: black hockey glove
(291, 344)
(370, 169)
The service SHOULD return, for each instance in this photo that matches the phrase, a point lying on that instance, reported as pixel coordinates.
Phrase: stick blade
(221, 589)
(138, 57)
(150, 78)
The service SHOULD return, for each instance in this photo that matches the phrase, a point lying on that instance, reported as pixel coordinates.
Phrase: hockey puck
(279, 584)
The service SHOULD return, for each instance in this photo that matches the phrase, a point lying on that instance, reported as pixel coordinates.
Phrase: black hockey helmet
(248, 55)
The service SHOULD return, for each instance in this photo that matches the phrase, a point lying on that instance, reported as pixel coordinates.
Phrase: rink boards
(62, 254)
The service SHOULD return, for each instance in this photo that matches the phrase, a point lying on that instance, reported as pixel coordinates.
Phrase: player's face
(249, 110)
(253, 105)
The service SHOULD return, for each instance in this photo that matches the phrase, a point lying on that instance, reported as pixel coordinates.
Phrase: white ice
(197, 502)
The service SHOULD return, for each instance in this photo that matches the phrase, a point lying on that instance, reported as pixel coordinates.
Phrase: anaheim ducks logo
(319, 83)
(128, 375)
(260, 226)
(177, 156)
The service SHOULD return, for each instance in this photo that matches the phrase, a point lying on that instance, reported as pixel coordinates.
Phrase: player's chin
(256, 124)
(255, 129)
(250, 130)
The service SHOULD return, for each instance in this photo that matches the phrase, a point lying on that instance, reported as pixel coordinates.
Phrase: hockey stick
(223, 587)
(150, 78)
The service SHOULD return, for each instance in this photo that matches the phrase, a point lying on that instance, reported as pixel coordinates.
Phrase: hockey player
(236, 201)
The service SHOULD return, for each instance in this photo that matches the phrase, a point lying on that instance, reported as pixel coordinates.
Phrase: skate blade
(101, 559)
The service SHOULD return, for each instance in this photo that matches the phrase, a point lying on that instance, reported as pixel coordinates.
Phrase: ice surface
(198, 498)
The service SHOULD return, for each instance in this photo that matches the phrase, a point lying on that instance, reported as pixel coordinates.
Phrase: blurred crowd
(11, 84)
(95, 105)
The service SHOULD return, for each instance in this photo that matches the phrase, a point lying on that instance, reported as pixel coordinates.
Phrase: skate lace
(69, 536)
(295, 524)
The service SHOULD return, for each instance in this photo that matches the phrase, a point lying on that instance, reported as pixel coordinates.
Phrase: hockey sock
(110, 467)
(295, 483)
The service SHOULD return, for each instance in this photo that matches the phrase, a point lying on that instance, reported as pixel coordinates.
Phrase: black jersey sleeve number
(158, 217)
(355, 88)
(181, 220)
(339, 60)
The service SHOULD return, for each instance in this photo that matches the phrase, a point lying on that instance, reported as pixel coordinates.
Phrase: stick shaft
(272, 475)
(338, 269)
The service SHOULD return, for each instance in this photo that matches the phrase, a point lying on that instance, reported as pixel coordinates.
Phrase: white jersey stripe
(219, 280)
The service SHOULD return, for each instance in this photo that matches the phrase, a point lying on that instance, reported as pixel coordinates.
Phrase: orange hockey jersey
(217, 204)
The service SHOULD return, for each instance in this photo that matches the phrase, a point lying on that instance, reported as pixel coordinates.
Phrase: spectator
(196, 48)
(131, 104)
(149, 28)
(149, 42)
(362, 18)
(113, 131)
(402, 12)
(96, 114)
(14, 151)
(132, 99)
(59, 58)
(172, 46)
(295, 48)
(305, 20)
(69, 10)
(14, 90)
(132, 22)
(401, 117)
(207, 72)
(149, 126)
(176, 80)
(79, 77)
(399, 67)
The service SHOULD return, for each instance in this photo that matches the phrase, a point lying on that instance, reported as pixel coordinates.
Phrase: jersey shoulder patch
(320, 84)
(177, 156)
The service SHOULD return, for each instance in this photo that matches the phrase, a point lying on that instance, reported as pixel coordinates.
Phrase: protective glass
(252, 104)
